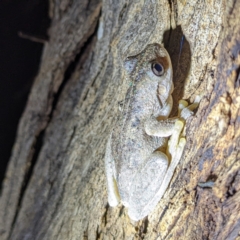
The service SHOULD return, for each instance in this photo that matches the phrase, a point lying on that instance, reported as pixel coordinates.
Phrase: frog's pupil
(158, 67)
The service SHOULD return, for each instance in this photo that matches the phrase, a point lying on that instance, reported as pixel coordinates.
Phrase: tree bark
(55, 185)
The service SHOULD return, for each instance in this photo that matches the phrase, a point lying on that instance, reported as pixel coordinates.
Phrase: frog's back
(130, 143)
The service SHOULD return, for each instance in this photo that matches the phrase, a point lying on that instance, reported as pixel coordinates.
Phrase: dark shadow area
(180, 53)
(20, 20)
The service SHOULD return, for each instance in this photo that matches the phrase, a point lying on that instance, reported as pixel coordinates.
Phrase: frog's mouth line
(160, 101)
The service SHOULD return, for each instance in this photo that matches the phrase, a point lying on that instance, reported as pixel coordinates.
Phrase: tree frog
(145, 145)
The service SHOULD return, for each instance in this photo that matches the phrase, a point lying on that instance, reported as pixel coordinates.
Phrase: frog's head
(155, 63)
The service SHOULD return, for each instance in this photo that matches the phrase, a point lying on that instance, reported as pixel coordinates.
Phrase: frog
(145, 144)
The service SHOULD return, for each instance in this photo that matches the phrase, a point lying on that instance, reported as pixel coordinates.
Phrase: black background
(19, 64)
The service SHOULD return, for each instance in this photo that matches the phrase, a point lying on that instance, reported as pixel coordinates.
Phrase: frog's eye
(157, 69)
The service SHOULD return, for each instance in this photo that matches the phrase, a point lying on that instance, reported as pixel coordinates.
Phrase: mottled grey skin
(137, 157)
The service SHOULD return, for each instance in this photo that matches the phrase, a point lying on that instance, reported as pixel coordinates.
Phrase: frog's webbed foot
(174, 147)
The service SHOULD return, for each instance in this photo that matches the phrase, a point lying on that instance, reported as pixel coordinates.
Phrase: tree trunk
(55, 185)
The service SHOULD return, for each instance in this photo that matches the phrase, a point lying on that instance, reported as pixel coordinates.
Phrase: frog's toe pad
(178, 126)
(186, 113)
(182, 104)
(182, 143)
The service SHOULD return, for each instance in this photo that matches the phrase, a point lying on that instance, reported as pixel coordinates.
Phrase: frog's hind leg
(113, 194)
(146, 184)
(174, 152)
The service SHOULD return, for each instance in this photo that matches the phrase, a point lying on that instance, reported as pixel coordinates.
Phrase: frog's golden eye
(157, 69)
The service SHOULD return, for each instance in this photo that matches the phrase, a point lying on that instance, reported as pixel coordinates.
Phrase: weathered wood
(55, 184)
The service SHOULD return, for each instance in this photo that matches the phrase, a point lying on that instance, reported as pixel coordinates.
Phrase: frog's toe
(180, 147)
(174, 139)
(186, 113)
(182, 104)
(182, 143)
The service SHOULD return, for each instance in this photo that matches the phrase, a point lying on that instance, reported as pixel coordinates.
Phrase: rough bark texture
(55, 184)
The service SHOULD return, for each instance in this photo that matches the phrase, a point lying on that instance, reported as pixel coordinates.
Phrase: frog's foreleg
(159, 128)
(113, 194)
